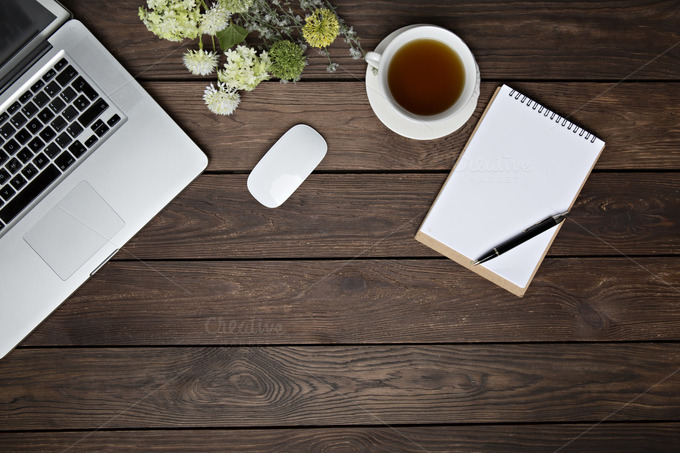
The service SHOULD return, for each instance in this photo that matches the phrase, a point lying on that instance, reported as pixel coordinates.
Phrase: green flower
(244, 70)
(237, 6)
(287, 61)
(173, 20)
(321, 28)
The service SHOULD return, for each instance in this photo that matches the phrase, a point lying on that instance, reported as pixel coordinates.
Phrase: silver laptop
(87, 158)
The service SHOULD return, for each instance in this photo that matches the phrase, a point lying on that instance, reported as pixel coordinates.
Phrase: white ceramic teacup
(382, 63)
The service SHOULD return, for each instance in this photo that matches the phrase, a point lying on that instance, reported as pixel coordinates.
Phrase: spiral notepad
(523, 163)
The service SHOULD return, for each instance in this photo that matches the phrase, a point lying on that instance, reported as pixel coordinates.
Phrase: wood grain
(511, 40)
(377, 215)
(637, 121)
(627, 438)
(365, 301)
(322, 325)
(247, 387)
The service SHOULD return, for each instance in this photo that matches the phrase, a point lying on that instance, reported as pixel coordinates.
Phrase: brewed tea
(426, 77)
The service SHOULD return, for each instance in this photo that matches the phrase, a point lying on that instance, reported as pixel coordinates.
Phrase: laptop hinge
(26, 63)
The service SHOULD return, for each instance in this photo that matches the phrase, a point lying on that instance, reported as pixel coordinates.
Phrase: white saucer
(403, 126)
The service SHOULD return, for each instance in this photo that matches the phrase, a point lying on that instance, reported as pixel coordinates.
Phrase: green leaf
(231, 36)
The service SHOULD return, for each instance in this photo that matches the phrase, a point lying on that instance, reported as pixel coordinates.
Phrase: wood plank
(516, 40)
(620, 438)
(377, 215)
(122, 388)
(637, 121)
(365, 301)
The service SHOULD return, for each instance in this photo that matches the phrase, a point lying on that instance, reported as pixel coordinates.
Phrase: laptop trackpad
(74, 230)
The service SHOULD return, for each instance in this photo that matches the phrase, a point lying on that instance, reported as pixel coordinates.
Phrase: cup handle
(373, 59)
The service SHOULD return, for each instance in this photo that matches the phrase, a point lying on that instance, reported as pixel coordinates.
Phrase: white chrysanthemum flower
(213, 20)
(221, 100)
(199, 62)
(244, 69)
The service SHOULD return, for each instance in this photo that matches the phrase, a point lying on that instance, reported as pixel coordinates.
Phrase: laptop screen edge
(61, 16)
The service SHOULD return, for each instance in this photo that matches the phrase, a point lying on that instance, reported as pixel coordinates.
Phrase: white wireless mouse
(286, 165)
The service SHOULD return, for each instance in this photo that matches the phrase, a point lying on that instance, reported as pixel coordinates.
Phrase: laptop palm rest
(74, 230)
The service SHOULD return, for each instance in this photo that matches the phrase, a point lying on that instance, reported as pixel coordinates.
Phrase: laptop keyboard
(46, 131)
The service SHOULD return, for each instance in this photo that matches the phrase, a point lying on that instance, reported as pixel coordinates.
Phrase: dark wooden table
(323, 325)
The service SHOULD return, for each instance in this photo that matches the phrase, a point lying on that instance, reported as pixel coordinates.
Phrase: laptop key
(34, 126)
(6, 192)
(3, 157)
(52, 150)
(78, 84)
(7, 130)
(61, 64)
(23, 136)
(82, 86)
(65, 76)
(63, 140)
(13, 166)
(29, 193)
(25, 155)
(3, 117)
(11, 147)
(64, 160)
(59, 123)
(46, 115)
(81, 102)
(74, 130)
(101, 130)
(93, 112)
(37, 86)
(18, 120)
(68, 94)
(18, 182)
(25, 97)
(29, 171)
(40, 160)
(70, 113)
(14, 107)
(52, 89)
(113, 120)
(41, 99)
(47, 134)
(4, 176)
(90, 92)
(36, 144)
(77, 149)
(90, 142)
(49, 74)
(57, 105)
(29, 109)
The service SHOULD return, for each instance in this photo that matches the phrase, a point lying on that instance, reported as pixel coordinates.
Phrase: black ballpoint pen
(522, 237)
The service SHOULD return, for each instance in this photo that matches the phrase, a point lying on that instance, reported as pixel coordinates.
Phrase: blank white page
(523, 164)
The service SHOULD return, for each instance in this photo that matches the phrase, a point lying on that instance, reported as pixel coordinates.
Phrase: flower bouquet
(281, 33)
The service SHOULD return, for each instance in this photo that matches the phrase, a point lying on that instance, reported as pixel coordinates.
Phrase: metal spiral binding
(553, 116)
